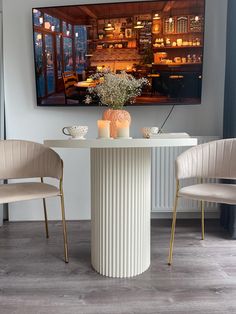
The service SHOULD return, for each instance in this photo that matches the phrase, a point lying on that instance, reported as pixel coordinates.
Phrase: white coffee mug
(75, 131)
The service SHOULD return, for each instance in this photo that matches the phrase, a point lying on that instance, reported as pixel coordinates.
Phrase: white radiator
(163, 184)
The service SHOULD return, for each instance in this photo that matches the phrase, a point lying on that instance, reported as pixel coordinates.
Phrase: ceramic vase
(114, 115)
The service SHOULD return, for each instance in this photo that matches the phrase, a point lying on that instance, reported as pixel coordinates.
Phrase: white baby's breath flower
(88, 99)
(116, 90)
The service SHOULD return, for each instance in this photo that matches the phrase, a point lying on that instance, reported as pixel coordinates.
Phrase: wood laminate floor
(34, 278)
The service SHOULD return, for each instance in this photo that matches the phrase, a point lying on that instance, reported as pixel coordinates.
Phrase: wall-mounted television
(162, 41)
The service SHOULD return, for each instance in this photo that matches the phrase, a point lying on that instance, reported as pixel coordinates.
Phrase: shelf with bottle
(116, 48)
(165, 58)
(181, 42)
(128, 43)
(116, 45)
(182, 34)
(172, 63)
(175, 47)
(112, 40)
(174, 66)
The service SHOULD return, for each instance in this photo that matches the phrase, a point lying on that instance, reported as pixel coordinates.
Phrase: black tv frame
(136, 104)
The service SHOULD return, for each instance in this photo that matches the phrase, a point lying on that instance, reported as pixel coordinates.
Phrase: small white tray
(170, 135)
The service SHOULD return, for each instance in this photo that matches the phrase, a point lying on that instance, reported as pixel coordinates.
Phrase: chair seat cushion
(26, 191)
(211, 192)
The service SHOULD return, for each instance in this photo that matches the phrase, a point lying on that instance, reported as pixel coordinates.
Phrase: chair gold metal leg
(203, 223)
(45, 218)
(63, 218)
(64, 228)
(45, 215)
(170, 258)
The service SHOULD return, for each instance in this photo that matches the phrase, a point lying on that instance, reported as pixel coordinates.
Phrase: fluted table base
(120, 196)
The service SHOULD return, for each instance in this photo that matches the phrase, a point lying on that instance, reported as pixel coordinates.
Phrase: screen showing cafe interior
(162, 41)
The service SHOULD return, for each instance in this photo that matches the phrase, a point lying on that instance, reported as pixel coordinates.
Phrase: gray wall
(26, 121)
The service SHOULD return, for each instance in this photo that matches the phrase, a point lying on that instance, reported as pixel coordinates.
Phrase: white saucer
(76, 138)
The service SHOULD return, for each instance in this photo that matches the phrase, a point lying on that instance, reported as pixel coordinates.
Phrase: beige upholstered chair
(23, 159)
(211, 160)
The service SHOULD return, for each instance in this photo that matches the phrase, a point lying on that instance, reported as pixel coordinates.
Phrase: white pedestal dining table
(120, 200)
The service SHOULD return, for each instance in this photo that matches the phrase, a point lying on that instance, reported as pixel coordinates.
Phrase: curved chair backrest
(24, 159)
(215, 159)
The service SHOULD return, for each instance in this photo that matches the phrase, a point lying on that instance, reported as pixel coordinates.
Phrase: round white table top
(121, 143)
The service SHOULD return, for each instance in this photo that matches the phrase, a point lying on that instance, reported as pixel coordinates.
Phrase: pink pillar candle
(103, 128)
(122, 128)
